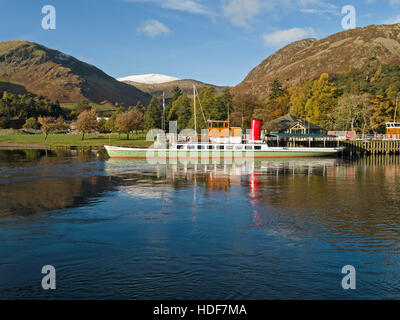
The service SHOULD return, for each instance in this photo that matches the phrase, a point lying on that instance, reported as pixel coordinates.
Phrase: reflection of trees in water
(40, 185)
(31, 157)
(46, 194)
(11, 157)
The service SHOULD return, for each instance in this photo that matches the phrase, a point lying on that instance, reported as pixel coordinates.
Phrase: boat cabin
(222, 132)
(221, 147)
(393, 129)
(218, 129)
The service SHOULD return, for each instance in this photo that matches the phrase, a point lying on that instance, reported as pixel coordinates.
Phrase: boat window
(210, 147)
(200, 147)
(239, 147)
(179, 146)
(220, 147)
(229, 147)
(190, 147)
(249, 147)
(257, 147)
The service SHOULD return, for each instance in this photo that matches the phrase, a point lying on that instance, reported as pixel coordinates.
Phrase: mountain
(150, 78)
(339, 53)
(31, 67)
(185, 85)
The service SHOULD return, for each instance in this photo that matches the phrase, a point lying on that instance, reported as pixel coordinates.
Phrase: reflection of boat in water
(221, 141)
(260, 166)
(142, 181)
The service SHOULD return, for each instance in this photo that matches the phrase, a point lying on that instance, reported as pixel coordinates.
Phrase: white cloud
(318, 7)
(392, 20)
(241, 12)
(283, 37)
(186, 5)
(153, 28)
(191, 6)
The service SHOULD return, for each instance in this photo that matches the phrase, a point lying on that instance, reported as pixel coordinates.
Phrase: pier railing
(371, 147)
(354, 148)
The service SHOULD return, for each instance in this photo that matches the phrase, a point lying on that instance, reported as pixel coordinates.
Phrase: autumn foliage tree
(129, 121)
(275, 105)
(51, 124)
(322, 102)
(244, 105)
(87, 121)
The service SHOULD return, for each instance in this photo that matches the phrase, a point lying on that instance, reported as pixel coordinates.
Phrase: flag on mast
(163, 114)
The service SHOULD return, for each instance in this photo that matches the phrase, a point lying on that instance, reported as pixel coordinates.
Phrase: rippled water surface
(130, 230)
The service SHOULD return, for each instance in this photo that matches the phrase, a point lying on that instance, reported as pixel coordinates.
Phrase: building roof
(301, 135)
(287, 121)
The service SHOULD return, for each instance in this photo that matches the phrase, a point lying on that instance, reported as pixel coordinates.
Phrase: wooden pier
(354, 148)
(373, 147)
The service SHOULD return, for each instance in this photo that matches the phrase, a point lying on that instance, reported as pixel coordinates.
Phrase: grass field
(67, 140)
(99, 107)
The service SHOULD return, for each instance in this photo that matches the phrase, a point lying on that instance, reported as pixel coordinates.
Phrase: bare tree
(87, 121)
(366, 111)
(236, 119)
(349, 109)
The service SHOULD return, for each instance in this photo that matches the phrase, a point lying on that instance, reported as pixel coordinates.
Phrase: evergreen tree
(223, 104)
(140, 107)
(183, 111)
(276, 89)
(205, 108)
(153, 115)
(176, 93)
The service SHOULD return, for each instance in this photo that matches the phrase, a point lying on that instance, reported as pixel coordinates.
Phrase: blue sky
(215, 41)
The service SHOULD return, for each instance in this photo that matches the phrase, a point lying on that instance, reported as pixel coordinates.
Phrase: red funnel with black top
(255, 132)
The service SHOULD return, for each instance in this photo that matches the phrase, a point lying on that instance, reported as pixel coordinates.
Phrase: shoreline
(43, 146)
(69, 142)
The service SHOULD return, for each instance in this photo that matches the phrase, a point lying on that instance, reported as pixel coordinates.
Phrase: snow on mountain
(149, 78)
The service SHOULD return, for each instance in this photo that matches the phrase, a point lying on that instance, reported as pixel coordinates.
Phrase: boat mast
(195, 112)
(163, 114)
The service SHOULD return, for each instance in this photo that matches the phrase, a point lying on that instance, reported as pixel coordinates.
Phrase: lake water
(129, 230)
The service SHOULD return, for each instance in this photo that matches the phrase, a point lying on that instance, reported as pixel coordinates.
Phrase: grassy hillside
(307, 59)
(186, 86)
(28, 66)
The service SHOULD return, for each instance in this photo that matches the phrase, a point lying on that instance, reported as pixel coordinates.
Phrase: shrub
(31, 123)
